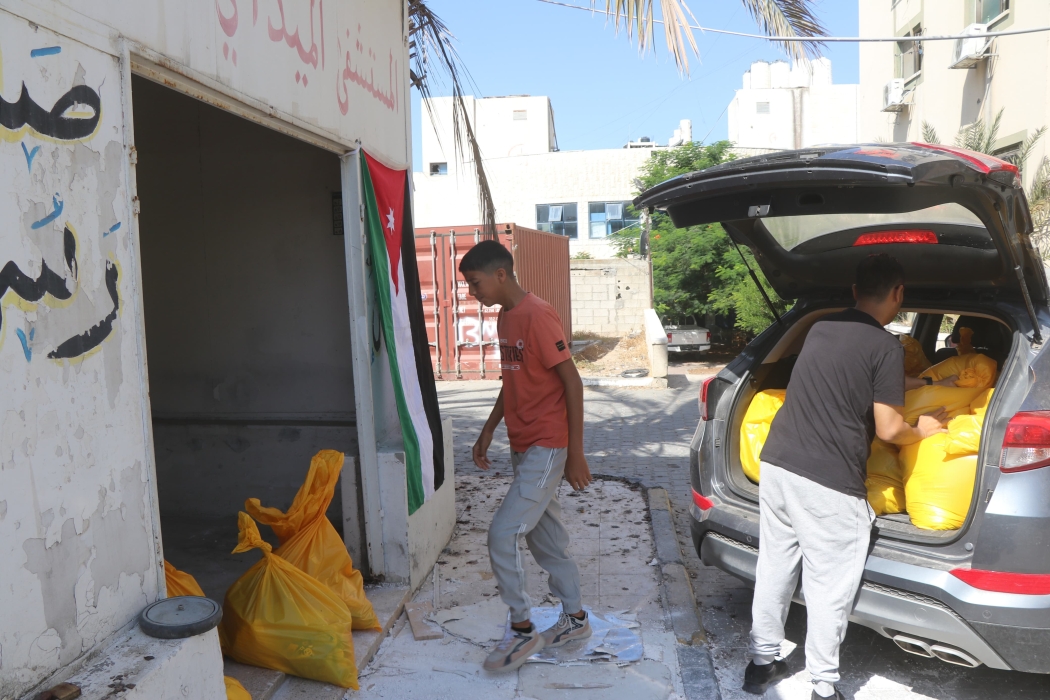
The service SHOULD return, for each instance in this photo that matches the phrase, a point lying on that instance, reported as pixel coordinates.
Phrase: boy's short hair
(487, 256)
(878, 275)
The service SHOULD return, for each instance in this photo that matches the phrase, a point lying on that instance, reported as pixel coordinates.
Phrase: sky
(602, 91)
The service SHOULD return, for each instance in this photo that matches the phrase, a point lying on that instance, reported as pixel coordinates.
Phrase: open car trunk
(772, 370)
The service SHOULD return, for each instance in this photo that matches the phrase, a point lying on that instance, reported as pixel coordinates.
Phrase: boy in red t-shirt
(542, 405)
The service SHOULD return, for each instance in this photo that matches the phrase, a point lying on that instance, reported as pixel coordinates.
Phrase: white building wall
(522, 170)
(79, 531)
(804, 107)
(1014, 78)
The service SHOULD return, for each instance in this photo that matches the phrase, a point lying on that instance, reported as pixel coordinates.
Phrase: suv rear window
(792, 231)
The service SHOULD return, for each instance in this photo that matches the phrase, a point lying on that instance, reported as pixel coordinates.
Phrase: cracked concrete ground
(643, 435)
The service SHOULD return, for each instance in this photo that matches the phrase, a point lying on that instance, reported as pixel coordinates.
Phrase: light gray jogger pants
(531, 508)
(824, 533)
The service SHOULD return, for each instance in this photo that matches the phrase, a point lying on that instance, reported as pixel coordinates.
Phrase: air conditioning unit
(893, 96)
(972, 49)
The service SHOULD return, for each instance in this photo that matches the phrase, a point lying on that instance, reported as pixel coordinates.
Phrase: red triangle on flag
(389, 186)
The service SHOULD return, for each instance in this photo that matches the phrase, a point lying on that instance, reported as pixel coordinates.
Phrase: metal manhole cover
(180, 617)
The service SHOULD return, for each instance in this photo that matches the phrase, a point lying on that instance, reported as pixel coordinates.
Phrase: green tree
(696, 270)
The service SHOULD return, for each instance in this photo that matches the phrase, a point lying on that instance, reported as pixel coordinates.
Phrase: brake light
(1004, 582)
(703, 398)
(701, 502)
(1027, 442)
(904, 236)
(983, 162)
(668, 337)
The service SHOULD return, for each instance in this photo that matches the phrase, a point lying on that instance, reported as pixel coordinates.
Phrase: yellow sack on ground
(234, 689)
(755, 429)
(974, 371)
(310, 542)
(914, 358)
(937, 486)
(275, 616)
(179, 582)
(885, 480)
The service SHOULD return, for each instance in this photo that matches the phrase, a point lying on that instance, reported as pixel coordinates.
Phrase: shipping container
(462, 333)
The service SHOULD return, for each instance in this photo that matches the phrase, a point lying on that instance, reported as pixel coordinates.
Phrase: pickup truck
(688, 338)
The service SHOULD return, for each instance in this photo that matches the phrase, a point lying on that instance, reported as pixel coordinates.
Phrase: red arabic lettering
(349, 74)
(293, 39)
(228, 24)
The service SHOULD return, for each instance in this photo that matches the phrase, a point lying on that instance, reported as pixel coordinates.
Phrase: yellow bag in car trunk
(915, 360)
(310, 542)
(179, 582)
(982, 401)
(755, 429)
(275, 616)
(885, 481)
(964, 433)
(976, 373)
(937, 486)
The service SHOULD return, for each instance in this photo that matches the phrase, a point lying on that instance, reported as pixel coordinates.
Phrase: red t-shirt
(531, 343)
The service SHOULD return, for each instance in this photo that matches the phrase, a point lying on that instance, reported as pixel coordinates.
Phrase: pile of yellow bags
(915, 361)
(294, 611)
(931, 480)
(179, 582)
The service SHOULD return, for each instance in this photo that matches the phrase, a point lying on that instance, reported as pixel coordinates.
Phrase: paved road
(643, 434)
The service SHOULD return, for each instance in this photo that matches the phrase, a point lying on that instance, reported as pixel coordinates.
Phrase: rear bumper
(701, 347)
(898, 598)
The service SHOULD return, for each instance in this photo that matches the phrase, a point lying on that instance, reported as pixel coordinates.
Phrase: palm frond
(432, 51)
(1039, 205)
(1027, 145)
(929, 134)
(979, 136)
(790, 18)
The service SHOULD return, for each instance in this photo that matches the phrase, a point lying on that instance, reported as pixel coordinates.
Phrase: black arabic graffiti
(57, 122)
(50, 282)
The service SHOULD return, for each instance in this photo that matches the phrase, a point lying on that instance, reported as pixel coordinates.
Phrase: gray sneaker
(514, 650)
(567, 629)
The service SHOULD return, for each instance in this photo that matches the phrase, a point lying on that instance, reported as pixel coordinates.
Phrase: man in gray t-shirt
(847, 386)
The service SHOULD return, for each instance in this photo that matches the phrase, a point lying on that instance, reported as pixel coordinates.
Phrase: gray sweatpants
(824, 533)
(531, 508)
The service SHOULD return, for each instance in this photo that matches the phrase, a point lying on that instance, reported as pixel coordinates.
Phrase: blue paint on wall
(25, 344)
(112, 228)
(45, 51)
(30, 155)
(56, 201)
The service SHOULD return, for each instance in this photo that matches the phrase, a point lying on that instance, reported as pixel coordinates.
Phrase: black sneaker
(837, 696)
(758, 678)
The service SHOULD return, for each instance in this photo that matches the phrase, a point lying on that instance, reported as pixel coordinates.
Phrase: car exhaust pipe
(935, 650)
(955, 656)
(914, 645)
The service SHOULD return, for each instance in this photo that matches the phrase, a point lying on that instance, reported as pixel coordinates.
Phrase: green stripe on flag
(381, 270)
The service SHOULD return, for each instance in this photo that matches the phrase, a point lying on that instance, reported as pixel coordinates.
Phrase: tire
(180, 617)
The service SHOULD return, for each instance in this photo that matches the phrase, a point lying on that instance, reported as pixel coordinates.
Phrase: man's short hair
(878, 275)
(487, 256)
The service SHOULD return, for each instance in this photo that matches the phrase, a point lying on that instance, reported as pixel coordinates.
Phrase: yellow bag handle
(248, 537)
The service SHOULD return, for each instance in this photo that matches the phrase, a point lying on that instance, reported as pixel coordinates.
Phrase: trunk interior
(995, 338)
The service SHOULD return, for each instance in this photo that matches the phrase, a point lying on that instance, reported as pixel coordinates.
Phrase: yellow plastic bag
(914, 358)
(755, 429)
(982, 401)
(179, 582)
(234, 689)
(974, 371)
(885, 480)
(937, 486)
(275, 616)
(965, 346)
(310, 542)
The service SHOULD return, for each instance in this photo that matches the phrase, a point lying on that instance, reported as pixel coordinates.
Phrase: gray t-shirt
(824, 430)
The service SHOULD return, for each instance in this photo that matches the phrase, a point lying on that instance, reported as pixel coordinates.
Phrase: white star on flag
(390, 219)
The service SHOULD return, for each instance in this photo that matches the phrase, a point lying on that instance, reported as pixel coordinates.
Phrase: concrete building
(952, 84)
(185, 314)
(581, 194)
(782, 107)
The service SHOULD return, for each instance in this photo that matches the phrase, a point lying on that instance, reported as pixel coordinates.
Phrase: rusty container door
(461, 333)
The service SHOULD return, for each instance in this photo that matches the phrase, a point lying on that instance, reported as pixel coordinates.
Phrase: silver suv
(959, 223)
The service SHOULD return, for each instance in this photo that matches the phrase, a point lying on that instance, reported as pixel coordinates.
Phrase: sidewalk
(609, 525)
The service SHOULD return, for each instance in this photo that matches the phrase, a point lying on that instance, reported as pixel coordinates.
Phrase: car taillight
(1004, 582)
(903, 236)
(668, 337)
(703, 398)
(701, 502)
(1027, 442)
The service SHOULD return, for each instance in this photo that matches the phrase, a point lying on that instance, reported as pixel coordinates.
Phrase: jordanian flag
(391, 241)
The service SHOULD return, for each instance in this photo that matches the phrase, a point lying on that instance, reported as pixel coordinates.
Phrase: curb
(694, 658)
(634, 382)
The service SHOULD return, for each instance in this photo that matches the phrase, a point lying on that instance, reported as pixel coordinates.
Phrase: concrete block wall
(609, 297)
